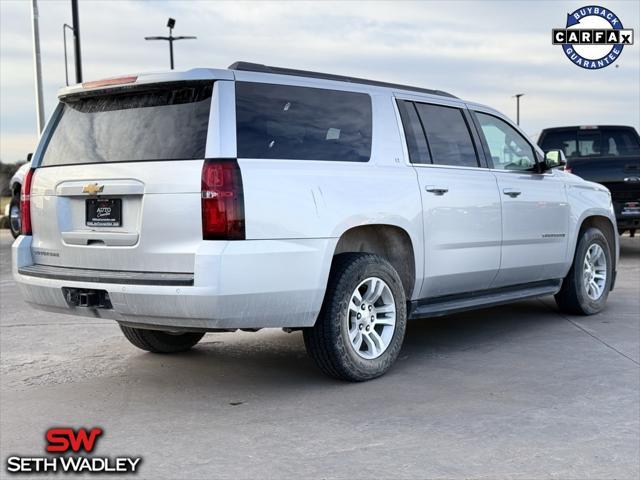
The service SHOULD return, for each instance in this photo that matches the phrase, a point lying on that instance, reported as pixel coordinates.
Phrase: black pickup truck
(609, 155)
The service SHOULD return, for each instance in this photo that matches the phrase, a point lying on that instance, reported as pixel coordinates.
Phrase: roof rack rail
(257, 67)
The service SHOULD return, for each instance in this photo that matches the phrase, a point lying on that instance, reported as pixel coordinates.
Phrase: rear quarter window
(413, 132)
(302, 123)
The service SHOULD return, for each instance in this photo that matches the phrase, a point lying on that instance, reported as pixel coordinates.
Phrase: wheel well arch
(388, 241)
(605, 226)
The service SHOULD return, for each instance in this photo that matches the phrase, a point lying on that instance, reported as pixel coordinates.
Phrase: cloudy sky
(482, 51)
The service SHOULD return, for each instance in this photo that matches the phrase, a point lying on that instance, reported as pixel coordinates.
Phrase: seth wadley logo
(593, 37)
(67, 444)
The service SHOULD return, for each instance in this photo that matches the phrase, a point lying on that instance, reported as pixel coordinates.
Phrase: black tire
(572, 297)
(14, 225)
(328, 342)
(157, 341)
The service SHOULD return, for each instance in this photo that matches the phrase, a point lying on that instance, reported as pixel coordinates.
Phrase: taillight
(25, 204)
(222, 201)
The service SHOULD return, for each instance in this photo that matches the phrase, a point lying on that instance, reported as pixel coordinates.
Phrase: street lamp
(37, 65)
(170, 23)
(517, 96)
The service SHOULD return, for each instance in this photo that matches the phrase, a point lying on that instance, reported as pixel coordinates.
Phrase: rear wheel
(361, 326)
(157, 341)
(14, 216)
(586, 287)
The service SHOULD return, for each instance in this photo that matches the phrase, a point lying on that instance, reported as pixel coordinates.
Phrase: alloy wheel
(594, 272)
(371, 318)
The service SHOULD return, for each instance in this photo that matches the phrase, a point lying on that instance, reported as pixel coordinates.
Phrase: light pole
(170, 23)
(37, 68)
(517, 96)
(75, 17)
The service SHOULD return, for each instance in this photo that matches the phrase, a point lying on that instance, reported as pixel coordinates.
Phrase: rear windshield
(164, 123)
(609, 142)
(302, 123)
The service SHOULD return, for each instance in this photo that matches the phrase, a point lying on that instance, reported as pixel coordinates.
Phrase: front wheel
(361, 326)
(586, 287)
(157, 341)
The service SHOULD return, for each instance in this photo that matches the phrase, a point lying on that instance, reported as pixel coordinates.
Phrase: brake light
(109, 81)
(222, 201)
(25, 204)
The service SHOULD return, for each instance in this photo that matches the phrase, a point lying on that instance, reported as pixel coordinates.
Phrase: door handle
(512, 192)
(436, 190)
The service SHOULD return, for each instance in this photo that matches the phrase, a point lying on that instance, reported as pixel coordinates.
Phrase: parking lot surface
(519, 391)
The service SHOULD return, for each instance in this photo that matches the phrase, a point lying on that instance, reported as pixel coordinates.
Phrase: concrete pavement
(519, 391)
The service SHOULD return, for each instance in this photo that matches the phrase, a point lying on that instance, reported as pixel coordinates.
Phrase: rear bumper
(242, 284)
(627, 222)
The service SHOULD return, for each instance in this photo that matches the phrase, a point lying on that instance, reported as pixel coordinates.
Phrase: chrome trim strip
(107, 276)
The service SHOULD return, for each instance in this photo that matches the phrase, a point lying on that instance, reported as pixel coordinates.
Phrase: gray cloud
(483, 51)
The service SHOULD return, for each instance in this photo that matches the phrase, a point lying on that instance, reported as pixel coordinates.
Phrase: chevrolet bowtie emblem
(92, 188)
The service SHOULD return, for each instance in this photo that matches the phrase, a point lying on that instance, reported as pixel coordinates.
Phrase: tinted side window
(509, 150)
(413, 132)
(288, 122)
(448, 135)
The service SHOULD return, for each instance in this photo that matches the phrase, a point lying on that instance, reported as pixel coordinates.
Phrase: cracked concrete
(511, 392)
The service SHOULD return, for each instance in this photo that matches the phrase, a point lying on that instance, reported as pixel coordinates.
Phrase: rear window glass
(288, 122)
(605, 142)
(164, 123)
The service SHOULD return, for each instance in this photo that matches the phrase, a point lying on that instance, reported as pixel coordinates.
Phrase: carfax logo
(593, 37)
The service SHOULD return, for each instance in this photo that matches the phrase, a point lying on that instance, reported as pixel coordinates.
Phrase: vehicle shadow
(270, 360)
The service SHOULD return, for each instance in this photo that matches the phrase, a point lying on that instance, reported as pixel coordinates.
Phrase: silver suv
(254, 197)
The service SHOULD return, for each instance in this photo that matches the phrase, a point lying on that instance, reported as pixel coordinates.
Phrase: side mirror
(29, 156)
(554, 159)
